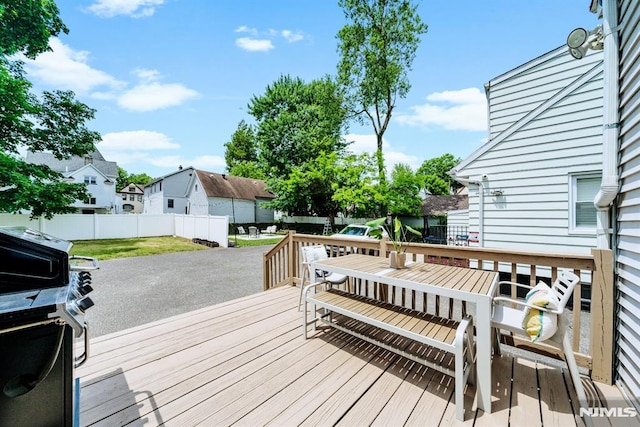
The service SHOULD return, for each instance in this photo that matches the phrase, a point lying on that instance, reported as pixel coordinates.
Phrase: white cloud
(264, 43)
(245, 29)
(141, 147)
(134, 147)
(137, 140)
(147, 75)
(292, 37)
(464, 109)
(66, 69)
(254, 45)
(392, 156)
(132, 8)
(151, 95)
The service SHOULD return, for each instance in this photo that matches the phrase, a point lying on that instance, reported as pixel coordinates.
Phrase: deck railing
(283, 266)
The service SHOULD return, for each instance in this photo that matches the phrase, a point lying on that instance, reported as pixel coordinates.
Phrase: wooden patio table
(462, 284)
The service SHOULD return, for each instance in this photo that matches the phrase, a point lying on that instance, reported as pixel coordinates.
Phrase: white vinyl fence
(100, 226)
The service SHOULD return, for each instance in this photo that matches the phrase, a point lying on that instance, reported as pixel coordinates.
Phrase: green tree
(356, 188)
(140, 178)
(248, 169)
(435, 185)
(439, 167)
(377, 48)
(403, 197)
(125, 178)
(308, 189)
(242, 147)
(122, 179)
(54, 122)
(295, 122)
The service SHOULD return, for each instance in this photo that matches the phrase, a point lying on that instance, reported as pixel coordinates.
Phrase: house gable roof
(109, 169)
(232, 187)
(440, 205)
(84, 169)
(138, 187)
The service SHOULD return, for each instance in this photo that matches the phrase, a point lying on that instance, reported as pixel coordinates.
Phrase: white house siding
(153, 203)
(198, 201)
(534, 150)
(263, 216)
(458, 218)
(520, 91)
(239, 211)
(628, 218)
(103, 190)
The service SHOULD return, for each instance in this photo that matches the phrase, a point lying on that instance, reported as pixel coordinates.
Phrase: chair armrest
(505, 282)
(525, 304)
(520, 285)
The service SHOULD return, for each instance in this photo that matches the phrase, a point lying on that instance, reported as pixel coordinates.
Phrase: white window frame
(573, 194)
(90, 179)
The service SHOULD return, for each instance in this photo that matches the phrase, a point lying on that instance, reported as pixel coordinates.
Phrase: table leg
(483, 354)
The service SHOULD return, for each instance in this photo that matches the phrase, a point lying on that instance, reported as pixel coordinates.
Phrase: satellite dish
(577, 38)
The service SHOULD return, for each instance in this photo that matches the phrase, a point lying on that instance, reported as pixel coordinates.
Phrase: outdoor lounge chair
(316, 253)
(241, 230)
(541, 313)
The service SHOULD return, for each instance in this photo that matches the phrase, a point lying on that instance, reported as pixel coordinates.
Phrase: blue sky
(171, 79)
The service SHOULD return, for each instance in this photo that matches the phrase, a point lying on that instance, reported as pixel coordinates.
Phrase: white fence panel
(70, 227)
(150, 225)
(99, 226)
(116, 227)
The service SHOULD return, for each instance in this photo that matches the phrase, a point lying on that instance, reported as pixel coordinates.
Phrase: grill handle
(80, 360)
(83, 267)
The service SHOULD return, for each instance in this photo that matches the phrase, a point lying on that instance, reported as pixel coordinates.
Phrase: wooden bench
(450, 336)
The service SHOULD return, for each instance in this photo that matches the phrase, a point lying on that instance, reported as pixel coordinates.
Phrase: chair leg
(305, 271)
(459, 380)
(575, 376)
(495, 335)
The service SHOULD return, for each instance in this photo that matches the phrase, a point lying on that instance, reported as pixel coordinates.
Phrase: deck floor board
(245, 363)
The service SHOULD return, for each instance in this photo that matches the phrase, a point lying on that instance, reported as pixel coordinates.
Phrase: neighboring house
(132, 198)
(98, 174)
(440, 214)
(435, 207)
(198, 192)
(531, 186)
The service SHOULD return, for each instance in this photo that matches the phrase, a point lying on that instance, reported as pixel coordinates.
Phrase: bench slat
(425, 324)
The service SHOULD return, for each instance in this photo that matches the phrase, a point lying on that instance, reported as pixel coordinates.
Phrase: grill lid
(30, 259)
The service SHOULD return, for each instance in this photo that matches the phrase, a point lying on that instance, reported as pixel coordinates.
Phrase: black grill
(43, 296)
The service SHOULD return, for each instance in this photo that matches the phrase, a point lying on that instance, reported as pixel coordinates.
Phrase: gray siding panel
(628, 251)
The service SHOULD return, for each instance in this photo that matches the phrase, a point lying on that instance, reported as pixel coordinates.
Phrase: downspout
(609, 186)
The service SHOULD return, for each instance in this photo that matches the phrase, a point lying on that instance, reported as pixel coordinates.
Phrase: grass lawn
(122, 248)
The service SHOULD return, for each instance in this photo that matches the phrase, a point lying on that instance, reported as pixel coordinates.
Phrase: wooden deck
(245, 363)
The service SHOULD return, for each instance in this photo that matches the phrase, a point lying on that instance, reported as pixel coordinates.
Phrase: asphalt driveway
(132, 291)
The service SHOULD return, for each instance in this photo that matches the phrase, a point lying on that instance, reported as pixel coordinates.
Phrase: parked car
(358, 231)
(353, 232)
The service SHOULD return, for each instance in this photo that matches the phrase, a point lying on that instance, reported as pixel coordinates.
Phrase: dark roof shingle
(233, 187)
(440, 205)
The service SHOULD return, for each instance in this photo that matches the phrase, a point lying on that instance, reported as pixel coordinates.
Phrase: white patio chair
(511, 317)
(317, 253)
(241, 230)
